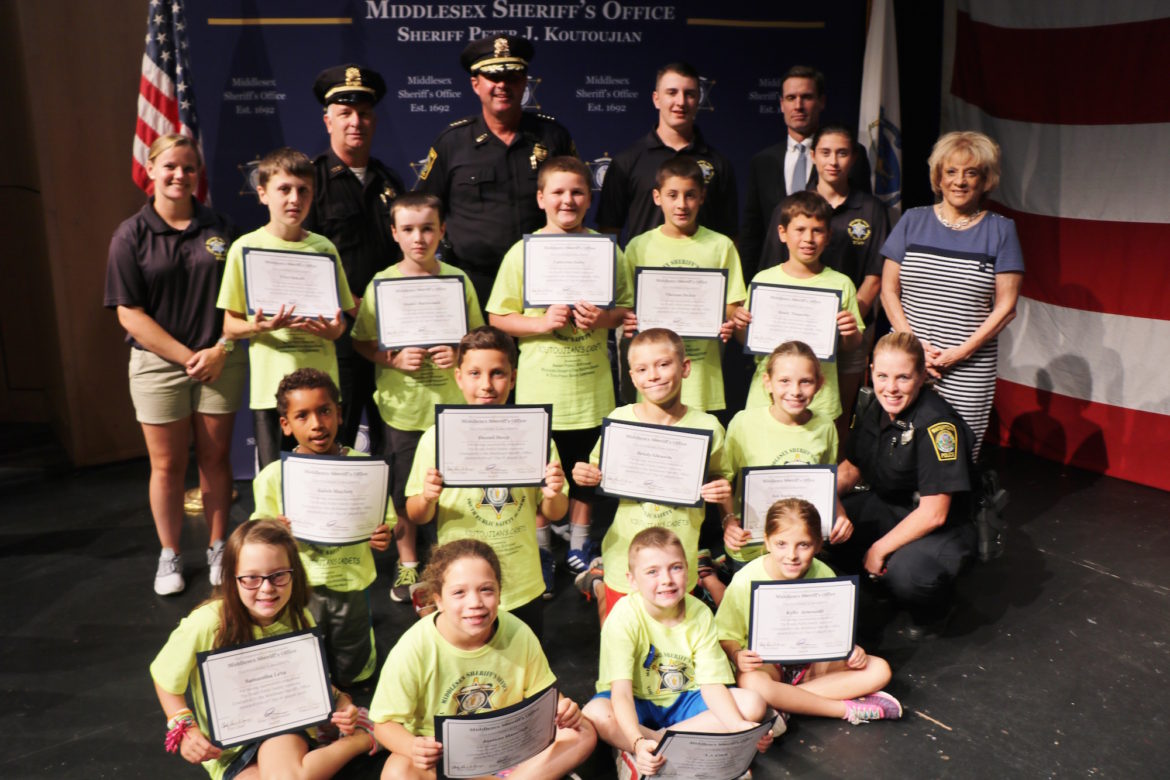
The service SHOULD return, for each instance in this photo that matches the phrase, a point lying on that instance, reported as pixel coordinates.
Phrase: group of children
(666, 661)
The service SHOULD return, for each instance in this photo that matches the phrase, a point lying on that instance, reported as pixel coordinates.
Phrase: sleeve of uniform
(537, 673)
(613, 207)
(625, 281)
(895, 246)
(718, 465)
(711, 664)
(365, 325)
(834, 442)
(618, 642)
(124, 283)
(880, 231)
(736, 290)
(424, 458)
(728, 199)
(231, 290)
(732, 450)
(432, 179)
(1009, 256)
(474, 311)
(266, 492)
(173, 665)
(312, 221)
(565, 145)
(849, 302)
(508, 292)
(397, 694)
(731, 619)
(942, 459)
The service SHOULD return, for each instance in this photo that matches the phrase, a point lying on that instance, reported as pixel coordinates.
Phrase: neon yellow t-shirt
(406, 401)
(632, 516)
(344, 568)
(274, 354)
(731, 621)
(568, 368)
(502, 517)
(661, 661)
(756, 438)
(703, 389)
(827, 401)
(425, 675)
(175, 669)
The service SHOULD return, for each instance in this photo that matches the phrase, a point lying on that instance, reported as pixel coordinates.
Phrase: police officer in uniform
(913, 528)
(352, 194)
(484, 167)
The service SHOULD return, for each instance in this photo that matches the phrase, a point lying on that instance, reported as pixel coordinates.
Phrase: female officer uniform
(926, 450)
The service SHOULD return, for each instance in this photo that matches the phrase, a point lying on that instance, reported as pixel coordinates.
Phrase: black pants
(920, 574)
(269, 438)
(356, 375)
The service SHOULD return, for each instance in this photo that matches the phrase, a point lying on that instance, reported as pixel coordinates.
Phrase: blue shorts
(654, 716)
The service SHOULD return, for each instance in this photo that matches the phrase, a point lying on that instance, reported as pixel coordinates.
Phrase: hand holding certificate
(260, 689)
(700, 756)
(690, 302)
(569, 267)
(420, 311)
(802, 621)
(787, 313)
(488, 742)
(334, 500)
(486, 446)
(664, 464)
(275, 279)
(764, 486)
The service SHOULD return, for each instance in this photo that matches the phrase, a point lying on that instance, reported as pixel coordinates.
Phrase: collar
(199, 218)
(904, 420)
(793, 143)
(697, 145)
(335, 166)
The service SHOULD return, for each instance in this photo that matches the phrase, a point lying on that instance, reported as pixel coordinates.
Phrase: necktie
(800, 171)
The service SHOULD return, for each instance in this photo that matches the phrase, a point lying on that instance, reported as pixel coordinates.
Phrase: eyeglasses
(253, 581)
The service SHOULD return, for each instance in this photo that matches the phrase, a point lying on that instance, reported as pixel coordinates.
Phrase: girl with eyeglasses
(264, 595)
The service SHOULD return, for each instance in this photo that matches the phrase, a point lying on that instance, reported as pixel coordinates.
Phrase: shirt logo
(944, 437)
(859, 231)
(708, 170)
(672, 676)
(432, 155)
(497, 498)
(475, 697)
(217, 247)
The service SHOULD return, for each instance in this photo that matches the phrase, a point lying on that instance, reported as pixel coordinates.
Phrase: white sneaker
(168, 580)
(215, 563)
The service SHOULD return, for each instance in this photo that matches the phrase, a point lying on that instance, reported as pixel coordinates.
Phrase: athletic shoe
(215, 564)
(585, 580)
(420, 599)
(548, 570)
(404, 577)
(876, 706)
(168, 578)
(578, 560)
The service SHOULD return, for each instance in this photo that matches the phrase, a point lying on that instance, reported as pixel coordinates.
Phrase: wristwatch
(226, 344)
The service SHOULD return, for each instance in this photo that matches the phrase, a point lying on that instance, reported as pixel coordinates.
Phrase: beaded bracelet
(177, 726)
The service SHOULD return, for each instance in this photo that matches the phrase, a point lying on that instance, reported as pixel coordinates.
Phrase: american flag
(1075, 93)
(166, 103)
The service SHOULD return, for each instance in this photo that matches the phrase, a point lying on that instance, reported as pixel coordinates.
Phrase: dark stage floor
(1055, 666)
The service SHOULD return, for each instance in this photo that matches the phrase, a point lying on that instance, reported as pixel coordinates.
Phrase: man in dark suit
(787, 166)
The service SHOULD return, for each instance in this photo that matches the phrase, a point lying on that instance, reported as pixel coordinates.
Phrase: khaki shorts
(163, 393)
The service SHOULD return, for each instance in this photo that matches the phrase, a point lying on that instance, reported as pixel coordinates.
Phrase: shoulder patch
(461, 122)
(426, 169)
(945, 439)
(547, 118)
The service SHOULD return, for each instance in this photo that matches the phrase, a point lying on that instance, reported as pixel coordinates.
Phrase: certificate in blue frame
(753, 623)
(824, 357)
(695, 330)
(608, 424)
(347, 460)
(534, 302)
(450, 338)
(333, 265)
(441, 409)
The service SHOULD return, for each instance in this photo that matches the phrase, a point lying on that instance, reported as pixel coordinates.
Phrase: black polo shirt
(172, 275)
(927, 449)
(489, 188)
(857, 230)
(355, 216)
(627, 194)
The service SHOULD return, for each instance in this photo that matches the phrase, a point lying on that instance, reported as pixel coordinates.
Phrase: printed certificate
(420, 311)
(483, 446)
(566, 268)
(692, 755)
(764, 486)
(664, 464)
(331, 499)
(787, 313)
(801, 621)
(691, 302)
(488, 742)
(264, 688)
(275, 278)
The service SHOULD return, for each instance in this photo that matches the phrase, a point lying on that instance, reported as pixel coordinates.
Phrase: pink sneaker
(876, 706)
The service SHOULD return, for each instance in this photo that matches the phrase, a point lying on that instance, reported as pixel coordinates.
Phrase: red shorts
(612, 597)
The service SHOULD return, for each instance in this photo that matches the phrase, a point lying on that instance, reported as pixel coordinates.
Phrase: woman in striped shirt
(952, 275)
